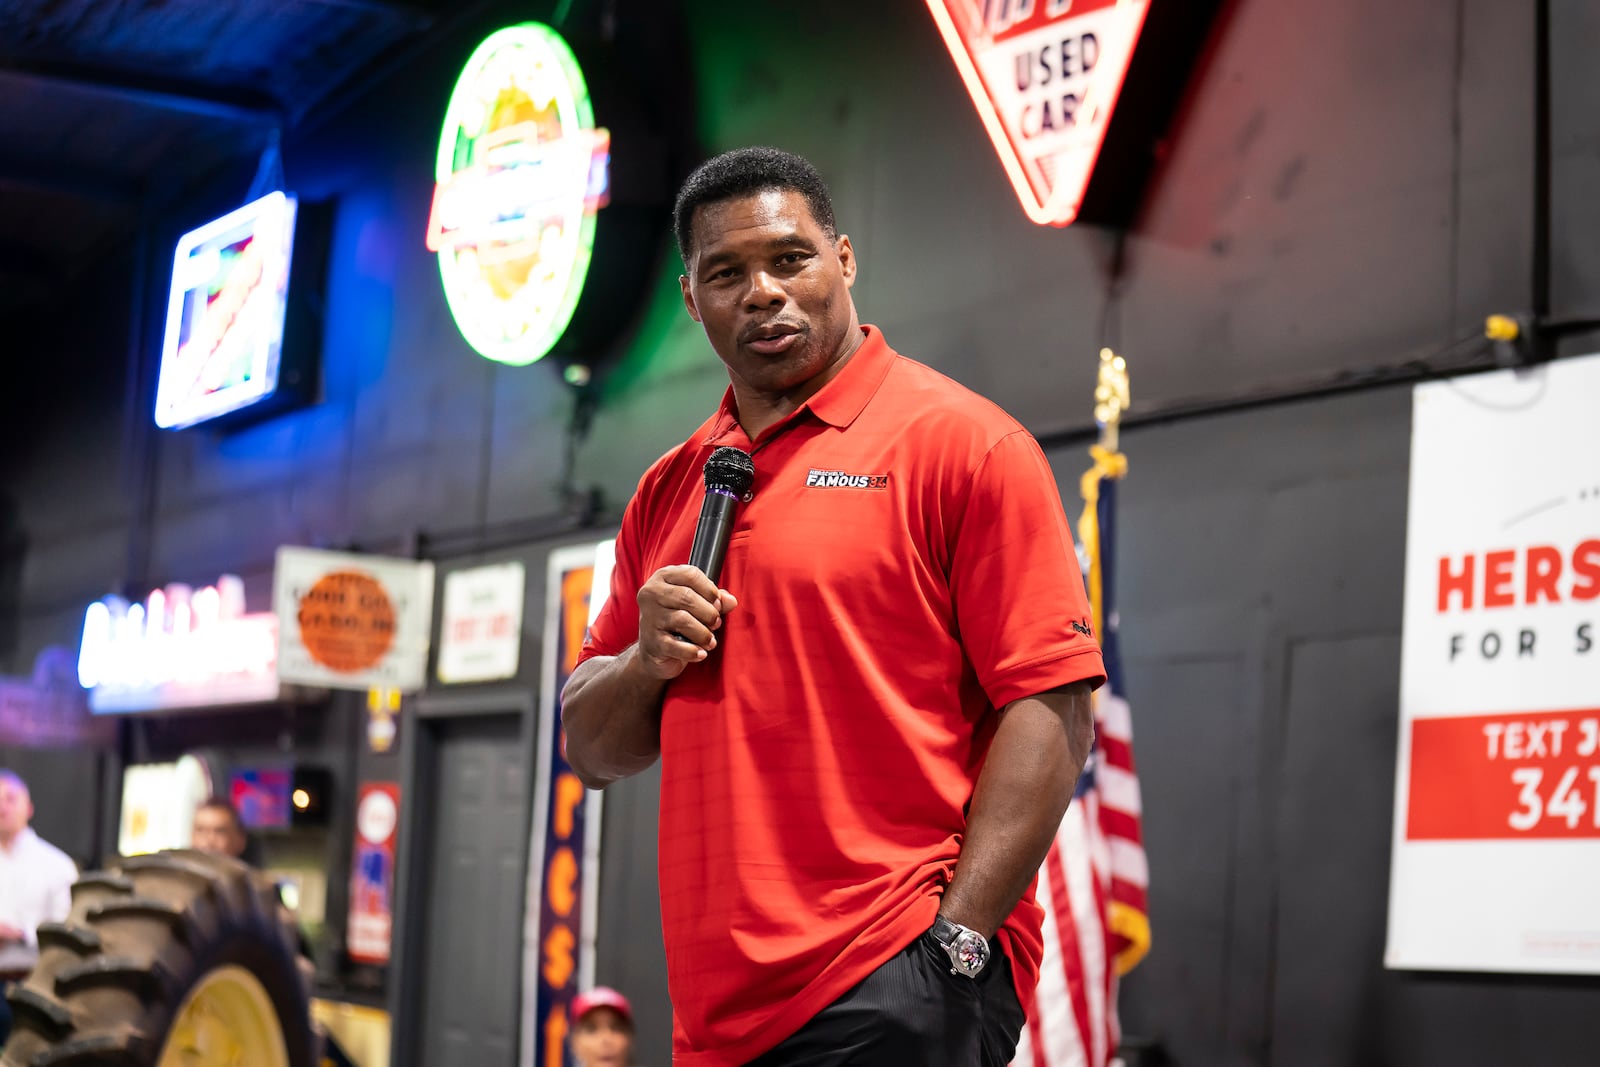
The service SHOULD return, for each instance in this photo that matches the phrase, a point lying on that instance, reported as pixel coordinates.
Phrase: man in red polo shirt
(869, 732)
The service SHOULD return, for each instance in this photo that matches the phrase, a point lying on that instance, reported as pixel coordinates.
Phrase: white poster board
(1496, 861)
(480, 628)
(348, 621)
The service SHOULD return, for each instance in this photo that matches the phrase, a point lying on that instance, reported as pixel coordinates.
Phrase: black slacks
(913, 1011)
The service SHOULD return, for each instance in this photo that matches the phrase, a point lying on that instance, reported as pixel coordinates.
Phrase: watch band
(967, 949)
(944, 931)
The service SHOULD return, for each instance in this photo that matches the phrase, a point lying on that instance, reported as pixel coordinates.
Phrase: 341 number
(1565, 802)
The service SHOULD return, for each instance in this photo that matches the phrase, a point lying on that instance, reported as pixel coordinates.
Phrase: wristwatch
(967, 949)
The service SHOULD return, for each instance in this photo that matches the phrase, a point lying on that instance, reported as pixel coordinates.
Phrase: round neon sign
(520, 174)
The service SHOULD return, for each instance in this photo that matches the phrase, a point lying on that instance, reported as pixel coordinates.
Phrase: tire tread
(208, 912)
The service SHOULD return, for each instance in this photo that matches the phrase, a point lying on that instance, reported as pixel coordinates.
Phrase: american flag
(1094, 880)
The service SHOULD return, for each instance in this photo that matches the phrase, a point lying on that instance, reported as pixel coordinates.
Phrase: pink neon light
(178, 649)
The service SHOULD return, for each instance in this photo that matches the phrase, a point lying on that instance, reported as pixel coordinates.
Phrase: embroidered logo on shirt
(843, 480)
(1083, 628)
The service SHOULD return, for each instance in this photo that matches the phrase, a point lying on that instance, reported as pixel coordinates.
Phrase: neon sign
(521, 172)
(49, 708)
(1045, 76)
(180, 648)
(225, 311)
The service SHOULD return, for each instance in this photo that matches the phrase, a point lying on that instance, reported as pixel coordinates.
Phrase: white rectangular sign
(480, 631)
(348, 621)
(1496, 863)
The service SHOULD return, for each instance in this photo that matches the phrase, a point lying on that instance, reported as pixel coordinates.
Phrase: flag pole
(1111, 398)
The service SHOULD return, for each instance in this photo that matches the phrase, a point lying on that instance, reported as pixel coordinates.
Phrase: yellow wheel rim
(227, 1020)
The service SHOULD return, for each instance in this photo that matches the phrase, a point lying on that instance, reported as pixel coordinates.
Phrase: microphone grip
(711, 534)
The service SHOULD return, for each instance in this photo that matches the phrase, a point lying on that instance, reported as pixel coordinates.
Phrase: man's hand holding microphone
(681, 606)
(611, 706)
(680, 610)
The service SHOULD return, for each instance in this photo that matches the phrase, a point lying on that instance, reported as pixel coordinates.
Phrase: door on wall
(471, 961)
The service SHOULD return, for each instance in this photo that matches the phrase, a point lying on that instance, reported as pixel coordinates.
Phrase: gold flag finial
(1110, 397)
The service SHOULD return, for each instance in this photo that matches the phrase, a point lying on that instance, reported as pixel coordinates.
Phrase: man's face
(216, 832)
(16, 808)
(771, 289)
(603, 1038)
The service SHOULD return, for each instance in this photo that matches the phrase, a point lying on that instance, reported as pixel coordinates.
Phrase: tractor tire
(177, 959)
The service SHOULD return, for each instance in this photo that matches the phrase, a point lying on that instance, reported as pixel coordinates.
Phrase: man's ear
(688, 297)
(847, 258)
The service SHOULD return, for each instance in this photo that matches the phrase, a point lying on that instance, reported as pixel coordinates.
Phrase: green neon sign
(521, 172)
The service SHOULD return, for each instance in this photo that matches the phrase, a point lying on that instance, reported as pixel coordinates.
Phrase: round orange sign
(347, 621)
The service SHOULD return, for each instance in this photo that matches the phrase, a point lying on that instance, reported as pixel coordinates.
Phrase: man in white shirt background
(35, 886)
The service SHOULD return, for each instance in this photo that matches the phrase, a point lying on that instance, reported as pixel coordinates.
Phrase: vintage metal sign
(348, 621)
(369, 935)
(564, 853)
(1044, 76)
(480, 629)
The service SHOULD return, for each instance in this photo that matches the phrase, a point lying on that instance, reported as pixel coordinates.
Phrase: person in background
(602, 1028)
(35, 887)
(217, 829)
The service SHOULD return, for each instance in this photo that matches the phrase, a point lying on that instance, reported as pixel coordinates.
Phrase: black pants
(913, 1011)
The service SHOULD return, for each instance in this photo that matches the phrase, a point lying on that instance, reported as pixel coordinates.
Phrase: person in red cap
(602, 1028)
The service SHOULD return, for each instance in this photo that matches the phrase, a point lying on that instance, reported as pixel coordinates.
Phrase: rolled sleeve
(1015, 579)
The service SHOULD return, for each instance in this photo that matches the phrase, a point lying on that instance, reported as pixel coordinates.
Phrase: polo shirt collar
(837, 403)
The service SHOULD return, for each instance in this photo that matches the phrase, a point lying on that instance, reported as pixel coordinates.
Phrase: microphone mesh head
(730, 470)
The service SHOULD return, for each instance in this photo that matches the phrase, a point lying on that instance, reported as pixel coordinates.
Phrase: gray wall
(1348, 188)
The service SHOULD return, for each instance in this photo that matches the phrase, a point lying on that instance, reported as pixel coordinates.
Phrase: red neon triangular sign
(1044, 76)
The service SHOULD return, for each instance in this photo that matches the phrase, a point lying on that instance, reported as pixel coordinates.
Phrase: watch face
(971, 952)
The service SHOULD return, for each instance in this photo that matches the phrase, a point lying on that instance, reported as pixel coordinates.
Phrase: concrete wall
(1348, 188)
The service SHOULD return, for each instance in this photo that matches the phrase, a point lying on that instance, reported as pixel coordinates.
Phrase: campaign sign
(1497, 806)
(372, 873)
(1045, 76)
(564, 854)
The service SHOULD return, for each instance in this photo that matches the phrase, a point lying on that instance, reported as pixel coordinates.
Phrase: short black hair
(745, 172)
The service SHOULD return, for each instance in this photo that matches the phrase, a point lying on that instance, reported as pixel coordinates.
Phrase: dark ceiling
(105, 102)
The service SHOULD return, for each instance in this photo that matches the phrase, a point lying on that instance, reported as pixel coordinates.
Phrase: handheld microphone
(729, 473)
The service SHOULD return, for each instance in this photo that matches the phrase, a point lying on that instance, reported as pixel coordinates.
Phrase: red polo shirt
(903, 569)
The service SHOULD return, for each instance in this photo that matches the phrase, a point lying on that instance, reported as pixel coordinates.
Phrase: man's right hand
(679, 610)
(9, 934)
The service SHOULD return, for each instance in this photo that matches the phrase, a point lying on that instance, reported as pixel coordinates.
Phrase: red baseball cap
(601, 997)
